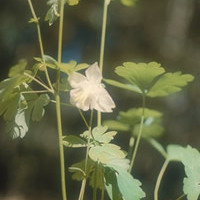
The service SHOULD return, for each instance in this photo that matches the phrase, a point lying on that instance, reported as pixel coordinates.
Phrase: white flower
(88, 92)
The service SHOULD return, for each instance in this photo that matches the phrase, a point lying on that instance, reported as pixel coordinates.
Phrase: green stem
(58, 103)
(36, 20)
(162, 171)
(38, 81)
(102, 46)
(181, 197)
(139, 135)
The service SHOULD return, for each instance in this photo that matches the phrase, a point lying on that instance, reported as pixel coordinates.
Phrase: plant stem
(139, 134)
(162, 171)
(102, 46)
(39, 82)
(36, 19)
(181, 197)
(57, 98)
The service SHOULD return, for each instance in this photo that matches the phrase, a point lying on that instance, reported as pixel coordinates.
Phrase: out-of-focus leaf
(36, 104)
(72, 2)
(106, 153)
(53, 12)
(130, 121)
(169, 83)
(74, 141)
(129, 2)
(17, 69)
(123, 185)
(158, 147)
(141, 75)
(175, 152)
(116, 125)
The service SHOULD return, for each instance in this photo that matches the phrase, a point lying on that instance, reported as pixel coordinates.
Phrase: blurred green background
(154, 30)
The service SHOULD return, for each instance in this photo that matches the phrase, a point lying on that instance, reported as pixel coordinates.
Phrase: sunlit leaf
(106, 153)
(123, 185)
(130, 87)
(150, 79)
(141, 75)
(169, 83)
(99, 134)
(74, 141)
(190, 157)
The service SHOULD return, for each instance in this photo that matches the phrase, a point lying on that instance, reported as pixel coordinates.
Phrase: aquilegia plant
(105, 167)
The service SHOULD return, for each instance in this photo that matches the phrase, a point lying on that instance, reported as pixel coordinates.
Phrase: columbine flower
(88, 92)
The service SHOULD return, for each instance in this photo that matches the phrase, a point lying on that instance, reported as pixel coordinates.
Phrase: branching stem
(36, 20)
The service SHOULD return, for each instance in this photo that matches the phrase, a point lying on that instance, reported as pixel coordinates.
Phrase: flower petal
(76, 79)
(104, 102)
(93, 73)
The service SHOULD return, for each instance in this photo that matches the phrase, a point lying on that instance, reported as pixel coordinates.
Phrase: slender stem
(35, 91)
(39, 82)
(162, 171)
(181, 197)
(95, 181)
(102, 46)
(64, 104)
(58, 103)
(40, 41)
(102, 193)
(83, 117)
(139, 134)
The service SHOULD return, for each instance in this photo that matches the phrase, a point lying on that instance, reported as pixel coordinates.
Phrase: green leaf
(130, 87)
(169, 83)
(53, 12)
(100, 135)
(17, 69)
(122, 182)
(74, 141)
(129, 2)
(73, 2)
(158, 147)
(116, 125)
(175, 152)
(150, 79)
(94, 173)
(140, 75)
(190, 157)
(106, 153)
(130, 120)
(18, 127)
(36, 106)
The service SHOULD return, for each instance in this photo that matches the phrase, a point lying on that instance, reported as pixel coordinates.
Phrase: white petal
(76, 79)
(93, 73)
(79, 99)
(104, 102)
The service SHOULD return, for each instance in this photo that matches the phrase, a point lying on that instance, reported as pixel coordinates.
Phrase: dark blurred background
(154, 30)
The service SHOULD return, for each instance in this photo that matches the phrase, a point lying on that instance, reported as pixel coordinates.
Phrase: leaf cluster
(150, 79)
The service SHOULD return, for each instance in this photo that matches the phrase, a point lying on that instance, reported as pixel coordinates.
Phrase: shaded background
(164, 31)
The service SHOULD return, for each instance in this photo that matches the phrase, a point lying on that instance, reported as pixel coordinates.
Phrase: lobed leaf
(121, 185)
(74, 141)
(169, 83)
